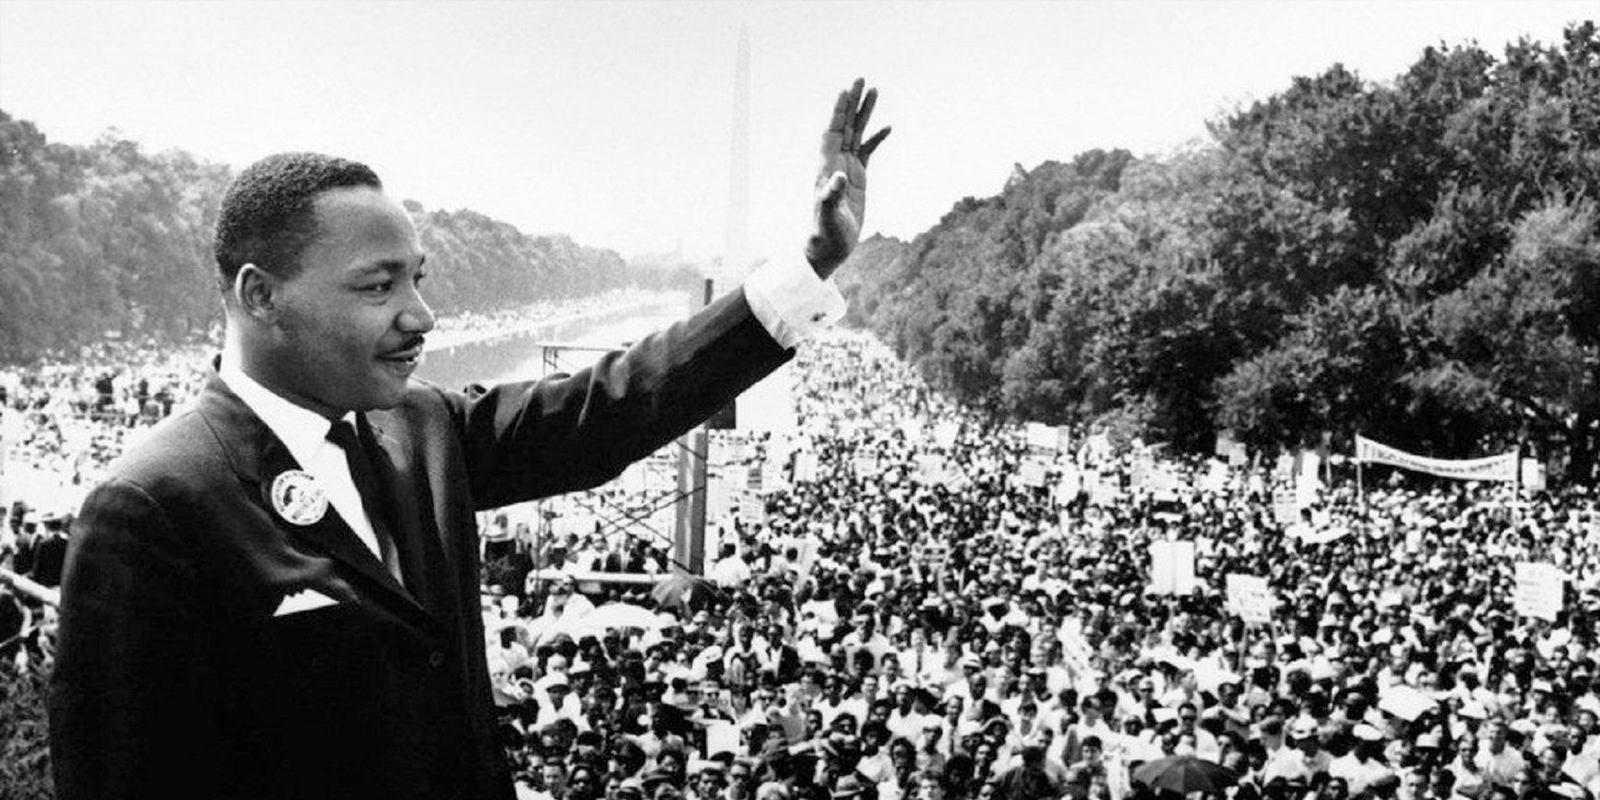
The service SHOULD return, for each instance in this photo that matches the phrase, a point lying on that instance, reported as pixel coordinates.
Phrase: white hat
(1367, 733)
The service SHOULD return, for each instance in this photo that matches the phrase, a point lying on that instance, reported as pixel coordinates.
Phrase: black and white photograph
(834, 400)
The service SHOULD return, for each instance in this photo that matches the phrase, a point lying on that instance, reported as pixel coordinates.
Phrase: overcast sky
(612, 122)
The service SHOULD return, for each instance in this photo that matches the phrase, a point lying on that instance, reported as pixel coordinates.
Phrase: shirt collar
(301, 430)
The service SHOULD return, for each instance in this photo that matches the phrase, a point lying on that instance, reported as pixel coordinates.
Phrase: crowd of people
(912, 613)
(907, 598)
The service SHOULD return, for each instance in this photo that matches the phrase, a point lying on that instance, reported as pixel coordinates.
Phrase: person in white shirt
(1360, 768)
(1303, 759)
(730, 571)
(1498, 763)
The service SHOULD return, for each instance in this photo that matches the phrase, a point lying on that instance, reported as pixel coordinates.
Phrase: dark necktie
(373, 501)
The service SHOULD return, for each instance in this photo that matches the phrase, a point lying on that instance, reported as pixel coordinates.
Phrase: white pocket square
(304, 600)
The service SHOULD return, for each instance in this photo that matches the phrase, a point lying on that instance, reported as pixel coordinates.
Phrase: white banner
(1494, 468)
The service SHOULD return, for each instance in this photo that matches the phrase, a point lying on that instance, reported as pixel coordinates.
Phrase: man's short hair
(267, 215)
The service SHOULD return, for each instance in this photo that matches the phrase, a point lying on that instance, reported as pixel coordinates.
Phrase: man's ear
(256, 292)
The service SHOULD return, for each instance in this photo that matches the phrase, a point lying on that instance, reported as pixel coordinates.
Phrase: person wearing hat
(658, 784)
(630, 788)
(554, 695)
(1302, 758)
(1360, 768)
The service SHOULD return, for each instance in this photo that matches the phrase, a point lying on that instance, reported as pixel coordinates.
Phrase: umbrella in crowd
(684, 590)
(1184, 774)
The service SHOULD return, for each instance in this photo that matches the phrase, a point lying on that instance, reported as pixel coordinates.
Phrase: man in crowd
(275, 594)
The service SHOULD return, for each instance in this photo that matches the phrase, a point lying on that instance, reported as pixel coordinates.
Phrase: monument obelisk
(736, 255)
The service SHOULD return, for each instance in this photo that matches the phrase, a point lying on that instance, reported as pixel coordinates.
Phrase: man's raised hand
(841, 202)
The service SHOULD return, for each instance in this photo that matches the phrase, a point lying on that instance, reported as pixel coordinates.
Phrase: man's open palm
(842, 179)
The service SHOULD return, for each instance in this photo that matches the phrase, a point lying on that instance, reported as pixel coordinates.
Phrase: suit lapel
(259, 457)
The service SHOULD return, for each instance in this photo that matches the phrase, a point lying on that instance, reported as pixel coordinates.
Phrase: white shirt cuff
(791, 302)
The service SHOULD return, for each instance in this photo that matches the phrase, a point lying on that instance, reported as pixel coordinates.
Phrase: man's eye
(378, 288)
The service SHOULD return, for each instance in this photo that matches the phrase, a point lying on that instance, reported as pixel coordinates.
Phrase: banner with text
(1494, 468)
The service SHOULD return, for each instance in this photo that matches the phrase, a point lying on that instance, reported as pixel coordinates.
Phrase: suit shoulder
(426, 403)
(171, 455)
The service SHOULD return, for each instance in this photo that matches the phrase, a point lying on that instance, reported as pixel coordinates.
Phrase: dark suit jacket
(175, 678)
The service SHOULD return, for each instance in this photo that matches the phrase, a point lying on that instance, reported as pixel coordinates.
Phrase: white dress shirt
(305, 433)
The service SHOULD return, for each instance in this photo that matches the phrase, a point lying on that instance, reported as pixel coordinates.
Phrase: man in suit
(276, 594)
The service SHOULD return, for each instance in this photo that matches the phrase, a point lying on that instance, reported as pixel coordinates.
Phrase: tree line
(1416, 260)
(109, 240)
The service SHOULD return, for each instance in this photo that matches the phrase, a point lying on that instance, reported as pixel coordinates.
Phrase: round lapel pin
(297, 498)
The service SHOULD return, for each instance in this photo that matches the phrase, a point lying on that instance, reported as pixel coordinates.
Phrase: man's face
(739, 776)
(349, 325)
(710, 782)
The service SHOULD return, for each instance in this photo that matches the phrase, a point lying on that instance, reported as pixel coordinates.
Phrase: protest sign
(772, 478)
(752, 510)
(1250, 598)
(928, 469)
(1104, 490)
(1538, 590)
(1172, 567)
(1224, 444)
(1042, 436)
(1070, 486)
(719, 496)
(1285, 505)
(805, 466)
(1030, 472)
(1533, 475)
(911, 429)
(723, 737)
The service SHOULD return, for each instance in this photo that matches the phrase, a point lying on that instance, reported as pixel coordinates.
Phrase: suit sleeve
(132, 697)
(569, 432)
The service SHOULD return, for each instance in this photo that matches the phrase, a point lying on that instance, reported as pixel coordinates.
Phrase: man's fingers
(866, 149)
(852, 126)
(864, 115)
(841, 110)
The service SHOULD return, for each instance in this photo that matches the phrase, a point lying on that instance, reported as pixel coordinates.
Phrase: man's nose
(417, 317)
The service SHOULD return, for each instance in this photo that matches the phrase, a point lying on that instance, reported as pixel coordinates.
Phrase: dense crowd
(917, 615)
(908, 598)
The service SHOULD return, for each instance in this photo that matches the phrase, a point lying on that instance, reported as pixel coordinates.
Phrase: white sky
(612, 122)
